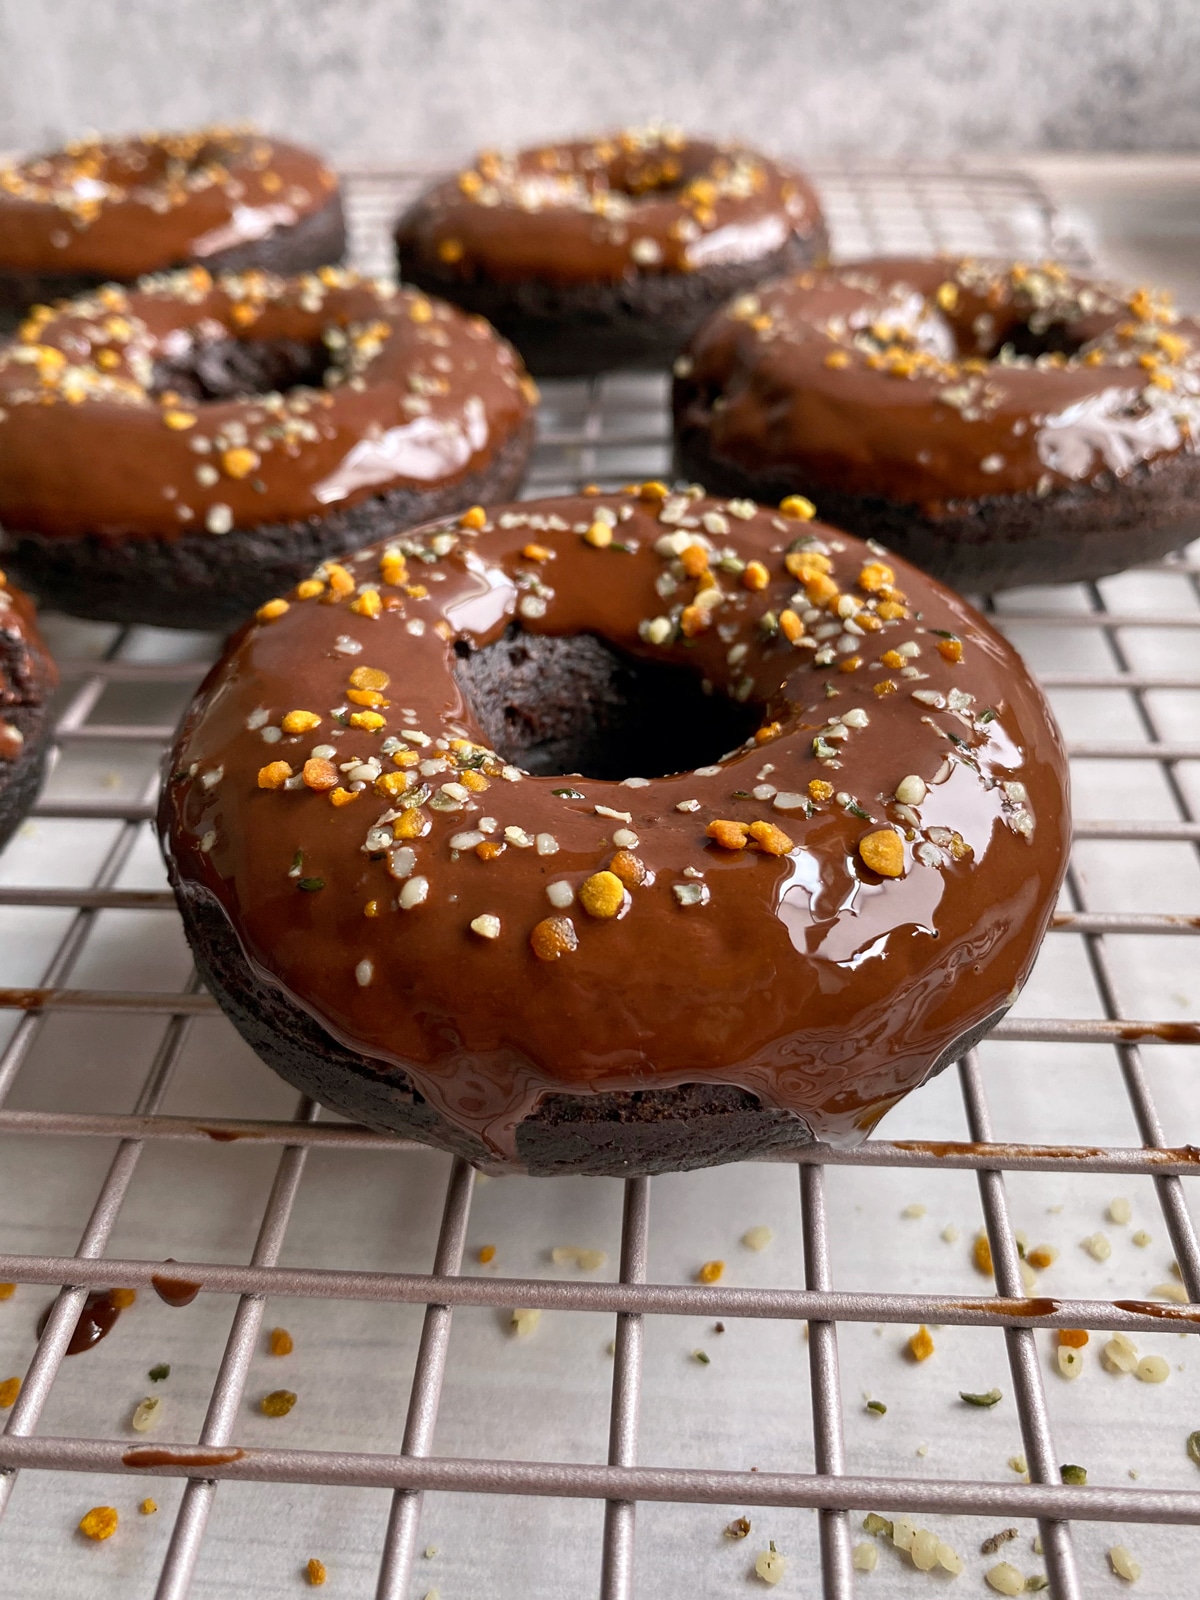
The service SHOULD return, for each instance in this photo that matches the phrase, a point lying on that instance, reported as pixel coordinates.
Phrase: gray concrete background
(421, 80)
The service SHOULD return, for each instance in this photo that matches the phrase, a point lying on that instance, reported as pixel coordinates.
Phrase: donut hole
(1035, 338)
(223, 368)
(573, 704)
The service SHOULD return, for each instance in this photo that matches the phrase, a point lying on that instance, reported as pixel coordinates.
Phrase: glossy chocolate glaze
(600, 210)
(804, 977)
(936, 382)
(101, 1311)
(123, 207)
(27, 673)
(95, 440)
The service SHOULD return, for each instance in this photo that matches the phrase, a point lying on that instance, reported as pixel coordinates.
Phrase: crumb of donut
(1123, 1563)
(281, 1342)
(278, 1403)
(883, 852)
(1097, 1246)
(920, 1345)
(271, 610)
(99, 1523)
(710, 1272)
(554, 937)
(757, 1238)
(486, 926)
(524, 1321)
(770, 1566)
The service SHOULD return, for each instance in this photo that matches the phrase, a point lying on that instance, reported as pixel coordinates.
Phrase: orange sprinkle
(769, 731)
(486, 1254)
(884, 686)
(837, 359)
(300, 722)
(9, 1390)
(371, 909)
(179, 420)
(343, 797)
(410, 824)
(366, 697)
(450, 251)
(602, 895)
(981, 1255)
(1073, 1338)
(281, 1342)
(892, 659)
(536, 552)
(790, 626)
(340, 581)
(920, 1346)
(652, 489)
(800, 563)
(694, 560)
(694, 620)
(490, 849)
(820, 588)
(553, 937)
(891, 610)
(950, 650)
(274, 775)
(278, 1403)
(770, 839)
(271, 610)
(370, 720)
(148, 1507)
(797, 508)
(729, 835)
(239, 463)
(850, 664)
(393, 569)
(7, 1290)
(629, 868)
(875, 576)
(99, 1523)
(316, 1572)
(309, 589)
(391, 784)
(473, 517)
(320, 773)
(755, 576)
(367, 604)
(122, 1299)
(369, 678)
(710, 1272)
(883, 852)
(818, 789)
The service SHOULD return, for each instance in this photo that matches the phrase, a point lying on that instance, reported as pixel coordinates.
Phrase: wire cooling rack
(431, 1451)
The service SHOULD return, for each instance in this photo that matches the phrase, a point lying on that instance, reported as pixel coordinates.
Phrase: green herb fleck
(569, 794)
(1193, 1446)
(1035, 1582)
(987, 715)
(878, 1407)
(874, 1523)
(942, 634)
(311, 885)
(342, 717)
(741, 794)
(1072, 1474)
(853, 810)
(159, 1372)
(992, 1398)
(702, 1356)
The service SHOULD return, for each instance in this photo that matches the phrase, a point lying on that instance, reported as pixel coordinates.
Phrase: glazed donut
(27, 677)
(105, 210)
(995, 424)
(646, 831)
(178, 453)
(608, 252)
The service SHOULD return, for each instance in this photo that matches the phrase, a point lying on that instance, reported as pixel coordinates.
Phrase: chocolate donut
(27, 677)
(644, 831)
(111, 210)
(605, 253)
(995, 424)
(179, 452)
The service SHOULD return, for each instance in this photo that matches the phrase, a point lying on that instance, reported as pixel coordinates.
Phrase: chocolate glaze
(804, 978)
(96, 1321)
(27, 673)
(414, 394)
(931, 383)
(122, 207)
(152, 1456)
(603, 210)
(174, 1291)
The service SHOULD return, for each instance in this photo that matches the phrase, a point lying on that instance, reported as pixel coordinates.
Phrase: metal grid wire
(605, 432)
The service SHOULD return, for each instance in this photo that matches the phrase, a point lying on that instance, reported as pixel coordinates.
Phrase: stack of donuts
(630, 831)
